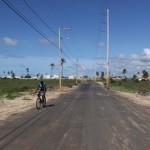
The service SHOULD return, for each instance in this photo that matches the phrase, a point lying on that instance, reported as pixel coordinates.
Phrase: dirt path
(24, 103)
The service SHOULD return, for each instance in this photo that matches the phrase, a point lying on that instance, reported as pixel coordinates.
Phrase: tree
(12, 74)
(97, 73)
(124, 71)
(4, 73)
(41, 77)
(138, 74)
(8, 73)
(27, 76)
(52, 66)
(38, 75)
(134, 77)
(62, 62)
(145, 74)
(102, 74)
(27, 69)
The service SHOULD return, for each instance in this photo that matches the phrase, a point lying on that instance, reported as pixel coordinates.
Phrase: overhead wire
(29, 5)
(47, 27)
(68, 57)
(23, 17)
(67, 48)
(12, 7)
(61, 19)
(105, 7)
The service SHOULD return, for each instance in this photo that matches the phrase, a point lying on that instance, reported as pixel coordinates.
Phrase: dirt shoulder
(137, 99)
(24, 103)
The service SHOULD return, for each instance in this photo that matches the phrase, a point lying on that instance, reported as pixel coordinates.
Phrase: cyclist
(42, 87)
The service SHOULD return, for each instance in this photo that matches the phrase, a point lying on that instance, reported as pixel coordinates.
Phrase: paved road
(88, 118)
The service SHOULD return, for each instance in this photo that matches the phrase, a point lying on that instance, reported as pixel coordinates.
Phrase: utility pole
(95, 68)
(107, 76)
(77, 72)
(60, 55)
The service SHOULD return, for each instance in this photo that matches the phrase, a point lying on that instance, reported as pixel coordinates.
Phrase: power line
(68, 57)
(12, 7)
(48, 28)
(67, 48)
(39, 17)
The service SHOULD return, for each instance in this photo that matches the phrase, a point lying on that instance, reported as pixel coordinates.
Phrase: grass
(129, 85)
(12, 88)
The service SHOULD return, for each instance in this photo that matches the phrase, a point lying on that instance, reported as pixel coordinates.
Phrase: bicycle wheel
(44, 102)
(38, 103)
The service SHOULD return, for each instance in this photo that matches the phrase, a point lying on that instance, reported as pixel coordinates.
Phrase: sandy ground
(138, 99)
(24, 103)
(20, 104)
(134, 97)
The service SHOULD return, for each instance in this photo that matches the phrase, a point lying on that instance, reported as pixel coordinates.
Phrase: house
(118, 77)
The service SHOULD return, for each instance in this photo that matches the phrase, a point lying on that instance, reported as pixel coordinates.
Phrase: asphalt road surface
(89, 117)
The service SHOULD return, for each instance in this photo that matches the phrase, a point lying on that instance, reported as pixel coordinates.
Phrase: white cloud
(133, 63)
(9, 41)
(146, 51)
(134, 56)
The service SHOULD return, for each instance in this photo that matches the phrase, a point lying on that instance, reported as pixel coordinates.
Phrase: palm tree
(52, 66)
(8, 73)
(145, 74)
(97, 73)
(62, 62)
(138, 73)
(124, 71)
(102, 74)
(12, 74)
(27, 70)
(38, 75)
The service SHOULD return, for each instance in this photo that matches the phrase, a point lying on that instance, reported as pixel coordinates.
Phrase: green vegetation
(11, 88)
(129, 85)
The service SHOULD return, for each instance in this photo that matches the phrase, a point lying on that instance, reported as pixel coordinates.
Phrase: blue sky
(22, 47)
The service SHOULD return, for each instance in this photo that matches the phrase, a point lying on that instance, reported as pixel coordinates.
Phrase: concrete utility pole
(77, 72)
(60, 55)
(107, 76)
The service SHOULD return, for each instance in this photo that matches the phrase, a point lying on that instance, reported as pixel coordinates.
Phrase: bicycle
(41, 100)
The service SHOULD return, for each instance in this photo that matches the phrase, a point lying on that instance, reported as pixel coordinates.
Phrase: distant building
(118, 77)
(72, 77)
(46, 76)
(55, 77)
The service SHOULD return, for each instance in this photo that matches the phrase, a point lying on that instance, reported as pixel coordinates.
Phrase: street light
(60, 53)
(108, 48)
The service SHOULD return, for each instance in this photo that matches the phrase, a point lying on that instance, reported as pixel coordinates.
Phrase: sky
(29, 36)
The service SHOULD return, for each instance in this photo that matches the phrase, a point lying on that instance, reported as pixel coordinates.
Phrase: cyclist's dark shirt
(42, 86)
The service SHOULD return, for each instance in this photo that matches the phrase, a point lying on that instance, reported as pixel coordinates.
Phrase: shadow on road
(50, 105)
